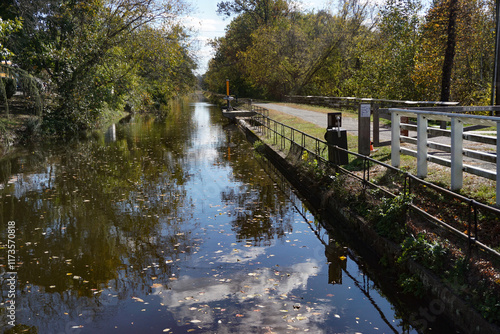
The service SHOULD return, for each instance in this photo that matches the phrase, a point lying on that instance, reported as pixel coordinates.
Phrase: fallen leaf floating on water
(195, 321)
(138, 299)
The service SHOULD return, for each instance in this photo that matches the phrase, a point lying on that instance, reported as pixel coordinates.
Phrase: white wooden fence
(456, 148)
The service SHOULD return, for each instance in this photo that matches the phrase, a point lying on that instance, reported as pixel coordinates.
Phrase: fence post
(395, 137)
(498, 167)
(457, 161)
(421, 146)
(364, 129)
(376, 125)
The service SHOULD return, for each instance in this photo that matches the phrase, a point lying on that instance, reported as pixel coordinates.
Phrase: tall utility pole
(495, 89)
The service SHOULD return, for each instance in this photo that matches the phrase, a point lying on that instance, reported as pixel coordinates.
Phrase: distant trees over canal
(98, 56)
(392, 49)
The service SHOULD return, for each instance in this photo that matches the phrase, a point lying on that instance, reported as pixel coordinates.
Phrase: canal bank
(325, 196)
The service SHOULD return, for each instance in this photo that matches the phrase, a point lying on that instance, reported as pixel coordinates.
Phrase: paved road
(349, 123)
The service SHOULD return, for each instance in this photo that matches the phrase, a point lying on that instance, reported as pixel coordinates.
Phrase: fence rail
(354, 102)
(285, 137)
(456, 147)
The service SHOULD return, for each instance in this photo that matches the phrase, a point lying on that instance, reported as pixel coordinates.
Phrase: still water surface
(174, 226)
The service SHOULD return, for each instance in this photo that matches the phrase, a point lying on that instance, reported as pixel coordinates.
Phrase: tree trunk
(449, 52)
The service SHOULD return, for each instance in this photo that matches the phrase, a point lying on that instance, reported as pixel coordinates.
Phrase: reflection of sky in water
(201, 240)
(259, 299)
(24, 183)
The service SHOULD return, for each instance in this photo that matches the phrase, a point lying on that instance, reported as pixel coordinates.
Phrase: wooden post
(364, 129)
(376, 125)
(421, 146)
(404, 119)
(395, 137)
(457, 161)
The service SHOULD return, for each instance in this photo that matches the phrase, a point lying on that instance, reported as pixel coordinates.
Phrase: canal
(174, 226)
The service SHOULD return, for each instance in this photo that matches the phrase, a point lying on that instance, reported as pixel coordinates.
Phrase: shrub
(390, 217)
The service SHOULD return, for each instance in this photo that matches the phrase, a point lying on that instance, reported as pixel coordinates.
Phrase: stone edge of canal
(450, 305)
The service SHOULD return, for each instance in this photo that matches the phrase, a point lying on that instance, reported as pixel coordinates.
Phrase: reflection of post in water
(229, 146)
(228, 129)
(337, 259)
(110, 135)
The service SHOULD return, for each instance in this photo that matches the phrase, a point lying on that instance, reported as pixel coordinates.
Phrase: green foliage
(490, 307)
(10, 85)
(429, 254)
(395, 53)
(411, 284)
(259, 148)
(313, 166)
(7, 28)
(390, 217)
(94, 59)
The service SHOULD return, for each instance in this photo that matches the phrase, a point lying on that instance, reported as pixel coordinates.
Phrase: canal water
(174, 226)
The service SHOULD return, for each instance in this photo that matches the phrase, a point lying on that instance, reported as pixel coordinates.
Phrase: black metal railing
(284, 137)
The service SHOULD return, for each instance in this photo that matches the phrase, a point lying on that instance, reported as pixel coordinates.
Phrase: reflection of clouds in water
(243, 255)
(259, 300)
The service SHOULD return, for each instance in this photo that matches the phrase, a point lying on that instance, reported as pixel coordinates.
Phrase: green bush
(429, 254)
(390, 217)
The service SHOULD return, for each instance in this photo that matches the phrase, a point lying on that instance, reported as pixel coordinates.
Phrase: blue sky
(208, 24)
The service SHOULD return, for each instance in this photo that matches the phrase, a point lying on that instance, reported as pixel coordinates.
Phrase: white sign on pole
(365, 110)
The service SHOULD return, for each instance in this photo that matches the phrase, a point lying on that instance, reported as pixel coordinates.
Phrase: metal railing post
(457, 161)
(421, 146)
(395, 138)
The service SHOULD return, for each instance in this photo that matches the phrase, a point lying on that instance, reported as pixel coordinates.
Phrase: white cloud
(206, 29)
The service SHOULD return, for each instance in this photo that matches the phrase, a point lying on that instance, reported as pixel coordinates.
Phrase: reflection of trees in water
(109, 218)
(261, 213)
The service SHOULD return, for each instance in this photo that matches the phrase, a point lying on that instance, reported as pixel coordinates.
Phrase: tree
(8, 81)
(228, 62)
(393, 57)
(449, 53)
(262, 12)
(466, 77)
(73, 44)
(288, 55)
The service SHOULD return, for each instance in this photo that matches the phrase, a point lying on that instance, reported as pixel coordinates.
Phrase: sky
(208, 24)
